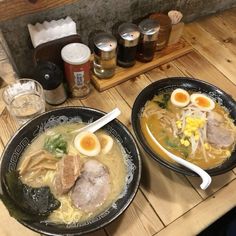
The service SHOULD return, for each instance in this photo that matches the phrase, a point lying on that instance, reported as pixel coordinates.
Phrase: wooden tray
(122, 74)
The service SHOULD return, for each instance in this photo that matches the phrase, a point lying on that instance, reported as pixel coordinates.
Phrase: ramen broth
(114, 161)
(160, 129)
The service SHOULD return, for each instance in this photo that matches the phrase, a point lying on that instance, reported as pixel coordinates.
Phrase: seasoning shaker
(104, 63)
(76, 57)
(128, 36)
(50, 76)
(149, 29)
(164, 31)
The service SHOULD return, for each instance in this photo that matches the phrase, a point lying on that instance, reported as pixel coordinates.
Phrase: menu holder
(51, 51)
(168, 54)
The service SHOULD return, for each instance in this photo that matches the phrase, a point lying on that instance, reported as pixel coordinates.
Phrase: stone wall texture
(93, 15)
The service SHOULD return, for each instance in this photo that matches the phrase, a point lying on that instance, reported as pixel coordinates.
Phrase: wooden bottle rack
(170, 53)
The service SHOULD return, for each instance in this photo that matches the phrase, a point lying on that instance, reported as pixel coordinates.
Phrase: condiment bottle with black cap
(104, 47)
(128, 36)
(50, 76)
(149, 29)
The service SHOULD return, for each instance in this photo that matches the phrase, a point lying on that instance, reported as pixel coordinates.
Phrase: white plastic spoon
(97, 124)
(206, 178)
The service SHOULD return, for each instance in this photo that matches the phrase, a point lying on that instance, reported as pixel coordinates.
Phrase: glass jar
(128, 36)
(164, 31)
(104, 63)
(148, 37)
(76, 57)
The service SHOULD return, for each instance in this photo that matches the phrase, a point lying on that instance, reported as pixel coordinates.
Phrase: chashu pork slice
(217, 133)
(92, 187)
(68, 170)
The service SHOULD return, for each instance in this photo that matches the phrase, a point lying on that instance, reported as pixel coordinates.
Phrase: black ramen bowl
(192, 84)
(33, 128)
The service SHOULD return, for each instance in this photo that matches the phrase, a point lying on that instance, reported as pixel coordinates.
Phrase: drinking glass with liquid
(24, 99)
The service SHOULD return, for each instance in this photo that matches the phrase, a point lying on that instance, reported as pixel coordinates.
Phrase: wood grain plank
(98, 233)
(130, 89)
(229, 16)
(139, 219)
(8, 126)
(12, 8)
(164, 71)
(15, 226)
(10, 227)
(1, 148)
(219, 56)
(107, 101)
(170, 194)
(194, 65)
(74, 102)
(203, 214)
(222, 29)
(217, 183)
(7, 73)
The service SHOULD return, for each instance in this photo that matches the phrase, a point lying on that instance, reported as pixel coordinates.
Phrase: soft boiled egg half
(202, 101)
(106, 143)
(87, 144)
(180, 97)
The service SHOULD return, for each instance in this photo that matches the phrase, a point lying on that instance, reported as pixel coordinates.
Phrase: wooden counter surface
(167, 203)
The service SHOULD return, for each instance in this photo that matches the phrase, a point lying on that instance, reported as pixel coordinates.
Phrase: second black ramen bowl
(186, 83)
(27, 133)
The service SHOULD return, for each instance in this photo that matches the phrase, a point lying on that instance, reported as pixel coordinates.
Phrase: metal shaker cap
(128, 34)
(149, 29)
(105, 45)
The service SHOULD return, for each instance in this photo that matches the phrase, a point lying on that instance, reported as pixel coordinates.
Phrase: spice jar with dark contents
(164, 31)
(76, 57)
(128, 36)
(104, 63)
(148, 37)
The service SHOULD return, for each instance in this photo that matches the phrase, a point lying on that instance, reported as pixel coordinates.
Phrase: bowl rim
(131, 196)
(137, 109)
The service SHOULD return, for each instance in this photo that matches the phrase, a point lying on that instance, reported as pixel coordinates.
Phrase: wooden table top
(167, 203)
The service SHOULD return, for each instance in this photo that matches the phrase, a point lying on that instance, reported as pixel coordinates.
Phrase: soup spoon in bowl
(206, 178)
(99, 123)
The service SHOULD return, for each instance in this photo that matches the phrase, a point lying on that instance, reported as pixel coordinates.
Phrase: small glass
(24, 99)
